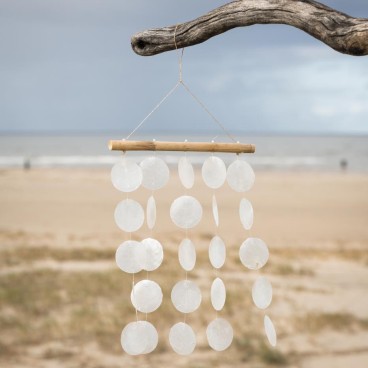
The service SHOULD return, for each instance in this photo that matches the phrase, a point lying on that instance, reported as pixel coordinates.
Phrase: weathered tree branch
(340, 31)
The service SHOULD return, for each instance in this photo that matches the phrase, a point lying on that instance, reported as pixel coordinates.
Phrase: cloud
(69, 66)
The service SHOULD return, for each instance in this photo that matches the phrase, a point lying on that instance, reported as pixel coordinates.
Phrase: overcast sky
(67, 65)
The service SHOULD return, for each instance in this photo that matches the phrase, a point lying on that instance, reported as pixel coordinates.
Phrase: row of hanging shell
(153, 174)
(185, 212)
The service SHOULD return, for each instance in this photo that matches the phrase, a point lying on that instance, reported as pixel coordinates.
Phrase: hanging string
(181, 82)
(154, 109)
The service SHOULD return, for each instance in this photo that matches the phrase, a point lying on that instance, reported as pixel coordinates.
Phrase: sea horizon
(324, 152)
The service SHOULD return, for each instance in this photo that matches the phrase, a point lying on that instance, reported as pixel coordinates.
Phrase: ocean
(321, 153)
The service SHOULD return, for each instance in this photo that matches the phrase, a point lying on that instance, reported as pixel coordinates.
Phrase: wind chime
(140, 336)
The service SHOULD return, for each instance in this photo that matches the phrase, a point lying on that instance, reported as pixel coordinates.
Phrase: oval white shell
(219, 334)
(126, 175)
(139, 338)
(186, 212)
(214, 172)
(246, 213)
(129, 215)
(152, 254)
(146, 296)
(215, 210)
(182, 339)
(253, 253)
(187, 255)
(218, 294)
(186, 296)
(240, 176)
(128, 256)
(262, 292)
(270, 331)
(155, 173)
(151, 212)
(186, 172)
(217, 252)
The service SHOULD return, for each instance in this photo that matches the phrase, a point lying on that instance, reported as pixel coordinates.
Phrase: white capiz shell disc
(151, 212)
(152, 254)
(155, 173)
(128, 256)
(129, 215)
(240, 176)
(186, 172)
(186, 212)
(152, 338)
(218, 294)
(182, 339)
(146, 296)
(253, 253)
(214, 172)
(187, 255)
(270, 331)
(126, 175)
(215, 210)
(217, 252)
(262, 292)
(246, 213)
(186, 296)
(219, 334)
(139, 338)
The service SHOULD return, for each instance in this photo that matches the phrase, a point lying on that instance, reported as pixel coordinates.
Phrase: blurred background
(69, 82)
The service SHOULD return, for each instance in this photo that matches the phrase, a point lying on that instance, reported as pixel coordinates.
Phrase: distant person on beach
(27, 164)
(343, 164)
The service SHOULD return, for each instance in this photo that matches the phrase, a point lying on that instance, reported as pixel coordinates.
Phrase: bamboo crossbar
(121, 145)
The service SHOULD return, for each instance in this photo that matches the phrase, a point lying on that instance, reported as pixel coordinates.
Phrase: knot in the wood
(138, 45)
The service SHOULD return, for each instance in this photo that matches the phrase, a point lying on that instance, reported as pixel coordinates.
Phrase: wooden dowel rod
(181, 146)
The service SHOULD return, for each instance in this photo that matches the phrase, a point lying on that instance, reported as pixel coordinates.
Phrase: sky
(67, 66)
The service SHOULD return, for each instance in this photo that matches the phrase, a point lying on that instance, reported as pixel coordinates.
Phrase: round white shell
(139, 338)
(270, 331)
(152, 254)
(240, 176)
(218, 294)
(186, 212)
(151, 212)
(187, 255)
(126, 175)
(253, 253)
(246, 213)
(219, 334)
(214, 172)
(217, 252)
(215, 210)
(146, 296)
(155, 173)
(129, 215)
(152, 338)
(128, 256)
(186, 296)
(262, 292)
(182, 339)
(186, 172)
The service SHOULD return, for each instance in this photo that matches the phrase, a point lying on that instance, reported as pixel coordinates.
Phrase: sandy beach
(63, 301)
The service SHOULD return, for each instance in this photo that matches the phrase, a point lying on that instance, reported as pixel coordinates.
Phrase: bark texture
(340, 31)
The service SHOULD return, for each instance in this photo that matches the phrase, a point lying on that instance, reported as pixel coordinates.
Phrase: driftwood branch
(340, 31)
